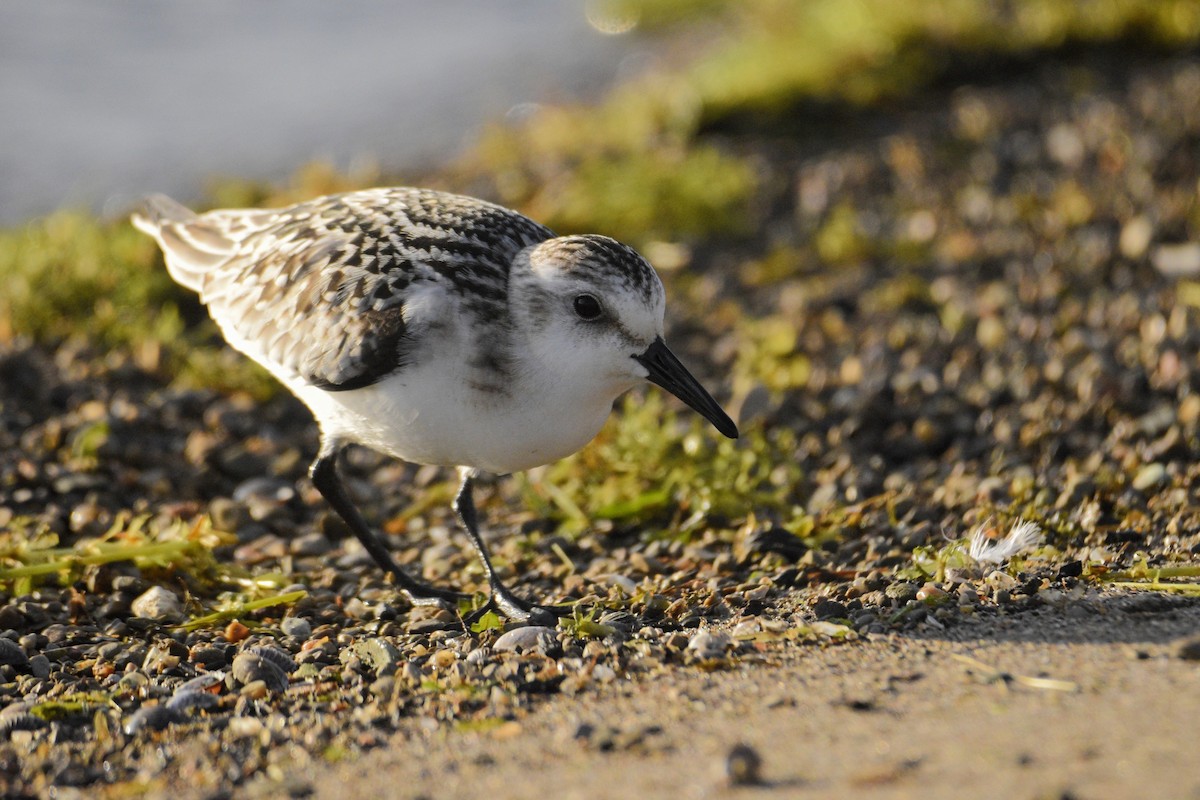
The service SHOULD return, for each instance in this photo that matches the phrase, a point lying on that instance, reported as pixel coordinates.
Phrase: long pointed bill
(667, 372)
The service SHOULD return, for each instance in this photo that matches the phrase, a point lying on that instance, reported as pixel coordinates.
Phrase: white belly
(425, 417)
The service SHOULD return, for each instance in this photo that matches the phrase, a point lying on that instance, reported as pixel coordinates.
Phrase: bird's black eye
(587, 307)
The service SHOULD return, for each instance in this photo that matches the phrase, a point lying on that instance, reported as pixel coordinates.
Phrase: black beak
(667, 372)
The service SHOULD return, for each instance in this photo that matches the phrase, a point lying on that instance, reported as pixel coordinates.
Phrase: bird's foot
(423, 594)
(506, 604)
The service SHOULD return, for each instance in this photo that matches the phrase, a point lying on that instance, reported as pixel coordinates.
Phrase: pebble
(311, 544)
(39, 666)
(706, 644)
(1189, 649)
(298, 627)
(228, 515)
(201, 682)
(1135, 237)
(33, 641)
(825, 608)
(1149, 476)
(11, 618)
(158, 603)
(211, 657)
(235, 632)
(264, 495)
(181, 701)
(11, 654)
(743, 766)
(377, 652)
(276, 656)
(901, 591)
(250, 667)
(999, 580)
(159, 658)
(931, 592)
(256, 689)
(244, 727)
(154, 718)
(1177, 260)
(129, 584)
(527, 639)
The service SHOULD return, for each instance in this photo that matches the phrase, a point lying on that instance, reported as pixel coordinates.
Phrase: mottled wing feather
(319, 289)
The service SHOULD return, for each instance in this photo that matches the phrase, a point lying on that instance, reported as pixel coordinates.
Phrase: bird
(434, 328)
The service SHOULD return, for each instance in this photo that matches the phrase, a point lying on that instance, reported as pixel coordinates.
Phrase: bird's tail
(191, 247)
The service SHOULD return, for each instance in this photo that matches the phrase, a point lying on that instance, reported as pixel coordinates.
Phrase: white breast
(429, 414)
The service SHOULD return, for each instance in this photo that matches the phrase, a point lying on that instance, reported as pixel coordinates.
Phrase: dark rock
(825, 608)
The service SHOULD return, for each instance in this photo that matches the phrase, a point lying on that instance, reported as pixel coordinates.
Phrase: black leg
(325, 478)
(512, 606)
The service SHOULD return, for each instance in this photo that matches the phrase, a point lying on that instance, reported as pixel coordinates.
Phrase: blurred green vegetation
(642, 165)
(650, 463)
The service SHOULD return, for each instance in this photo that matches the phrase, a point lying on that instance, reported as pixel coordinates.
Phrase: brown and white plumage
(432, 327)
(342, 265)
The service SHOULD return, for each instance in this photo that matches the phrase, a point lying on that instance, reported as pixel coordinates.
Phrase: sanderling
(434, 328)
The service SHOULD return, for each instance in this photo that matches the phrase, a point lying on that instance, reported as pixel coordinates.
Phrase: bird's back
(317, 292)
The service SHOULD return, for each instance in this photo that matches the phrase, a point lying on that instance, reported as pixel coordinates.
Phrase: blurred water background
(103, 102)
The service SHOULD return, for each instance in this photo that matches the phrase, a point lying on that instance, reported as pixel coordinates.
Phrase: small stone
(244, 727)
(901, 591)
(1177, 260)
(12, 655)
(864, 619)
(931, 592)
(443, 658)
(311, 544)
(528, 639)
(1135, 237)
(154, 718)
(706, 644)
(676, 641)
(743, 766)
(84, 516)
(380, 654)
(1189, 414)
(159, 658)
(39, 666)
(129, 584)
(999, 580)
(1189, 649)
(239, 463)
(356, 608)
(276, 656)
(825, 608)
(256, 690)
(211, 657)
(158, 603)
(235, 631)
(250, 667)
(11, 617)
(263, 547)
(228, 515)
(182, 700)
(298, 627)
(1149, 476)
